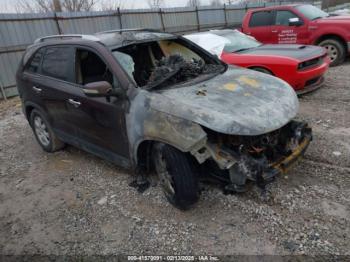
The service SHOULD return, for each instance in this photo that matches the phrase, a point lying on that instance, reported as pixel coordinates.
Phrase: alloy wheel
(165, 178)
(41, 131)
(332, 52)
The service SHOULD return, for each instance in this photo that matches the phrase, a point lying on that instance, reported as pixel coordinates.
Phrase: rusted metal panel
(180, 19)
(87, 22)
(8, 67)
(235, 16)
(17, 32)
(142, 18)
(211, 17)
(2, 94)
(24, 29)
(255, 5)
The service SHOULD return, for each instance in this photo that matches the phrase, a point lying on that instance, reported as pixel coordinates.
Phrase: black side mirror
(102, 89)
(295, 21)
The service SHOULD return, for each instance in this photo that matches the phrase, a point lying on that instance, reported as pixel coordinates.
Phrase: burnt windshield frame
(202, 53)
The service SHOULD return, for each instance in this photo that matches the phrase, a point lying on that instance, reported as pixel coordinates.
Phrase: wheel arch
(263, 67)
(331, 36)
(142, 154)
(28, 111)
(29, 107)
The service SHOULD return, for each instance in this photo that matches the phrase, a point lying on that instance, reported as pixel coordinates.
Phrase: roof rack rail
(87, 37)
(127, 30)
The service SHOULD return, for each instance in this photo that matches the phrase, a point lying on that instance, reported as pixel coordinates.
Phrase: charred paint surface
(175, 116)
(238, 102)
(146, 123)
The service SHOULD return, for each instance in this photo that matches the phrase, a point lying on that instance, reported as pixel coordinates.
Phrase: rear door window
(58, 62)
(261, 18)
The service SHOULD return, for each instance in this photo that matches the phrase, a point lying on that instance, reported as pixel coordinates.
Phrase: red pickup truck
(300, 24)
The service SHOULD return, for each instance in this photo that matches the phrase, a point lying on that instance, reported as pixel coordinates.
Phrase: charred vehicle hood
(299, 52)
(237, 102)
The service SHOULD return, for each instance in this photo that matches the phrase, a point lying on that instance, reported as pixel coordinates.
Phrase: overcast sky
(8, 6)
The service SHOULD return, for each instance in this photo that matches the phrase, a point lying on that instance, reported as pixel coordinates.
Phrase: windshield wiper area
(175, 69)
(317, 17)
(242, 49)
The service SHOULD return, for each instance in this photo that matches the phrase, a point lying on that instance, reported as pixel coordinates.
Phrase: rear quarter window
(261, 18)
(34, 63)
(57, 63)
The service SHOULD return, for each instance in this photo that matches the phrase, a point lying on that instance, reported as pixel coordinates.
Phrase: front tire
(335, 50)
(177, 174)
(44, 133)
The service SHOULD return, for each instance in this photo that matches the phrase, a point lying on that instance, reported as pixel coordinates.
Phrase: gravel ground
(72, 202)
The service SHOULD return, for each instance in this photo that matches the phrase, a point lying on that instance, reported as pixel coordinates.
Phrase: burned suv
(148, 101)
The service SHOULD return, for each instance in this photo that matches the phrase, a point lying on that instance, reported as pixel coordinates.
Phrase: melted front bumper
(285, 164)
(262, 171)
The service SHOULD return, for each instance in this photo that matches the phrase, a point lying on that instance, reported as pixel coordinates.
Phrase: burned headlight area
(232, 160)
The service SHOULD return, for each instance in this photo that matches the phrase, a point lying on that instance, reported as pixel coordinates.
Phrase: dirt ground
(72, 202)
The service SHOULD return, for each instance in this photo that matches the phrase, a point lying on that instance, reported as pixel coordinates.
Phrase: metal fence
(17, 31)
(337, 7)
(326, 4)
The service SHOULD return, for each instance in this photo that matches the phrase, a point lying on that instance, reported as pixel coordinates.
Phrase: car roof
(111, 39)
(116, 39)
(276, 7)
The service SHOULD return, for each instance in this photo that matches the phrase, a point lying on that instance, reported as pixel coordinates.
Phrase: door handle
(37, 90)
(274, 31)
(74, 103)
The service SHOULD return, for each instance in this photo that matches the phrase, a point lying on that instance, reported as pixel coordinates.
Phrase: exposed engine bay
(232, 160)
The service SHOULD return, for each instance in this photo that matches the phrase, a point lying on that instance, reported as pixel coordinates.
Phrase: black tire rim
(41, 131)
(165, 179)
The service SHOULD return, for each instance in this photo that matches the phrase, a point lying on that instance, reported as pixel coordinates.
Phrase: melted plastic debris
(175, 69)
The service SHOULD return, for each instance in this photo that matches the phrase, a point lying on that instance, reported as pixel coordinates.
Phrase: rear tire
(44, 133)
(178, 176)
(335, 50)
